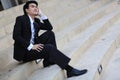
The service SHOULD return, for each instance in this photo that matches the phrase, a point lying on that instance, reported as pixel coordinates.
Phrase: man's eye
(34, 6)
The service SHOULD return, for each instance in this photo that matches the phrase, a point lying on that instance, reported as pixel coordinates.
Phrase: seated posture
(29, 46)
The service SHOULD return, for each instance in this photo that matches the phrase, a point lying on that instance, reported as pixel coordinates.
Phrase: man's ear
(26, 10)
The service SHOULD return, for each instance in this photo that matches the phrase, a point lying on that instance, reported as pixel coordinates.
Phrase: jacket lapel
(27, 21)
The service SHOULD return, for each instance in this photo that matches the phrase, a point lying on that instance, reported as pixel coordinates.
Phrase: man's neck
(33, 17)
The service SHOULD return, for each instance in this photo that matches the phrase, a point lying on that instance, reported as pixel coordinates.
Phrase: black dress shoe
(75, 72)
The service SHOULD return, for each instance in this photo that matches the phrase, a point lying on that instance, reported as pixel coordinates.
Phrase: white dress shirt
(43, 17)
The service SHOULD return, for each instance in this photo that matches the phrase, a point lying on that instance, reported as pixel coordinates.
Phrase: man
(29, 46)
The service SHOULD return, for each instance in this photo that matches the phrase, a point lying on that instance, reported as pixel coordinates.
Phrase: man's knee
(49, 46)
(50, 33)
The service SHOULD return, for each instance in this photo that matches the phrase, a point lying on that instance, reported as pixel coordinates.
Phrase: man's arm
(46, 25)
(17, 34)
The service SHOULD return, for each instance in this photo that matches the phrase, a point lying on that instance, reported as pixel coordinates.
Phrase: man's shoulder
(22, 17)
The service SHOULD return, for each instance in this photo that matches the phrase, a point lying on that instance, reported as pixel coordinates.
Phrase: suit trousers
(49, 53)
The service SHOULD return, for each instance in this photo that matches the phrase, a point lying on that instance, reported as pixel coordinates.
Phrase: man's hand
(38, 47)
(40, 13)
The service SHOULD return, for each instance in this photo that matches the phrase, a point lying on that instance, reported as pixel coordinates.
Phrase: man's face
(32, 9)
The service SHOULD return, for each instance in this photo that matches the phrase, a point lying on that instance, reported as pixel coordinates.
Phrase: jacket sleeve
(17, 34)
(46, 25)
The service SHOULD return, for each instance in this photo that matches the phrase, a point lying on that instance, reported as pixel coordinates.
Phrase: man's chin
(36, 14)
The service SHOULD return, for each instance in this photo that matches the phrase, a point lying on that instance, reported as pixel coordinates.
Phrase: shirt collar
(31, 20)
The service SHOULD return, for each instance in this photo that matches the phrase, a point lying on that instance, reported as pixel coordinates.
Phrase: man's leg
(60, 59)
(47, 38)
(49, 53)
(55, 56)
(52, 54)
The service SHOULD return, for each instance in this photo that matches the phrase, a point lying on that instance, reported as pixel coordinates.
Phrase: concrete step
(75, 15)
(105, 60)
(6, 42)
(71, 3)
(2, 32)
(65, 6)
(6, 57)
(7, 16)
(97, 51)
(15, 70)
(107, 57)
(112, 70)
(83, 23)
(57, 73)
(94, 31)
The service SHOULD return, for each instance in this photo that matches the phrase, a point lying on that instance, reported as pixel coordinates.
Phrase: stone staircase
(86, 31)
(112, 70)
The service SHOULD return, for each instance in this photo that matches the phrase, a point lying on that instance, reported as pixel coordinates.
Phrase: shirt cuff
(43, 17)
(30, 47)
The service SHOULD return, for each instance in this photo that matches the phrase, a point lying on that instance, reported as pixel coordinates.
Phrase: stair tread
(112, 70)
(100, 46)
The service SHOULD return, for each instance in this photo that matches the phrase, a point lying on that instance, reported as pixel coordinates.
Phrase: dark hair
(26, 6)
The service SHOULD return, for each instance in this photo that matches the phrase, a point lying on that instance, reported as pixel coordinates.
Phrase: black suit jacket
(22, 34)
